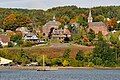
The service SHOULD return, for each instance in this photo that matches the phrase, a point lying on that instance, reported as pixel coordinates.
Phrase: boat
(44, 68)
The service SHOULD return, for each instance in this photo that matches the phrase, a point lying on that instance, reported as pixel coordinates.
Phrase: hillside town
(52, 31)
(61, 39)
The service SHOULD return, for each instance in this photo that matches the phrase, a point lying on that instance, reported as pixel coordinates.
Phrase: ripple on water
(72, 74)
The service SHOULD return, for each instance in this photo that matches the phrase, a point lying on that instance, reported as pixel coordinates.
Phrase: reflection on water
(72, 74)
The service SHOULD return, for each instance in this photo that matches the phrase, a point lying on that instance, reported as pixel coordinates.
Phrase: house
(23, 30)
(118, 22)
(4, 39)
(61, 33)
(97, 26)
(4, 61)
(33, 38)
(30, 37)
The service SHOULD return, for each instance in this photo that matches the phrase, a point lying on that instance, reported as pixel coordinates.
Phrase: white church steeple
(54, 18)
(90, 19)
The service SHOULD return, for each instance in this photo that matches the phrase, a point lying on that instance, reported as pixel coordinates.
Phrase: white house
(118, 21)
(31, 37)
(4, 61)
(24, 30)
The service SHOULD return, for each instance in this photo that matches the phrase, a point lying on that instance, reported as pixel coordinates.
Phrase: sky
(46, 4)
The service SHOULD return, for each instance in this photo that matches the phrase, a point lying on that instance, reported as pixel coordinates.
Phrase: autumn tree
(111, 24)
(13, 21)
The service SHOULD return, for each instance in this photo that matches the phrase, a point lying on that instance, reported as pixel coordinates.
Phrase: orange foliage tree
(13, 21)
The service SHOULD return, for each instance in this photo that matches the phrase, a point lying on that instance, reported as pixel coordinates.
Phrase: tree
(99, 18)
(118, 26)
(79, 56)
(103, 54)
(111, 24)
(114, 38)
(66, 53)
(81, 21)
(10, 44)
(91, 35)
(13, 21)
(100, 36)
(16, 38)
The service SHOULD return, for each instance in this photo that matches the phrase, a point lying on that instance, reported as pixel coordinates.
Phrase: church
(51, 30)
(97, 26)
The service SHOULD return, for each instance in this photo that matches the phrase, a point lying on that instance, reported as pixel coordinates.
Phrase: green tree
(79, 56)
(91, 35)
(66, 53)
(102, 53)
(99, 18)
(10, 44)
(16, 38)
(81, 21)
(114, 38)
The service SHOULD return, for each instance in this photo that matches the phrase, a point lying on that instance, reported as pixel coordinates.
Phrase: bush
(79, 56)
(27, 44)
(57, 62)
(66, 53)
(65, 63)
(15, 38)
(10, 44)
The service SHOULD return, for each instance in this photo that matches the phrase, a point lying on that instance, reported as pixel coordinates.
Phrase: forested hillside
(64, 14)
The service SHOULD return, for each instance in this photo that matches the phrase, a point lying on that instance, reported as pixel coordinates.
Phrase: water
(72, 74)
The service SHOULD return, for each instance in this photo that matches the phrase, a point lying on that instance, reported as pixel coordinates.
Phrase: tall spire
(90, 17)
(54, 18)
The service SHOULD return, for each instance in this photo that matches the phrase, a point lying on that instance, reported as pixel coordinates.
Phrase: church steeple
(54, 18)
(90, 17)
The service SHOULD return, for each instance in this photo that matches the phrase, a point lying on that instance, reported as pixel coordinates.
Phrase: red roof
(98, 27)
(4, 38)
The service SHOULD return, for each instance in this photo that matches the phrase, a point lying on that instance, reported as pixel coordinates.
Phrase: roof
(97, 24)
(66, 31)
(31, 36)
(22, 29)
(4, 61)
(52, 23)
(4, 38)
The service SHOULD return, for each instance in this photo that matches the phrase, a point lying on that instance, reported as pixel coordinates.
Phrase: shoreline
(59, 68)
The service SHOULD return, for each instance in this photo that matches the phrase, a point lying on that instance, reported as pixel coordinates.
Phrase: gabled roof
(96, 24)
(4, 38)
(52, 23)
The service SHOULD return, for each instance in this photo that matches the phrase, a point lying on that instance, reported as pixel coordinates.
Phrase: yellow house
(4, 61)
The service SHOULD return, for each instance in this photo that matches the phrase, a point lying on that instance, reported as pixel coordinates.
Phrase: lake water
(72, 74)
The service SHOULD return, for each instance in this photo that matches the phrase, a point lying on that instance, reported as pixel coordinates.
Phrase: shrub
(79, 56)
(10, 44)
(65, 63)
(66, 53)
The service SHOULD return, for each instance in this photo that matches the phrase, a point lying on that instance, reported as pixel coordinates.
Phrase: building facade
(97, 26)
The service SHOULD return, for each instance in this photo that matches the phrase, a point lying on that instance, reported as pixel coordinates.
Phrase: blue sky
(45, 4)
